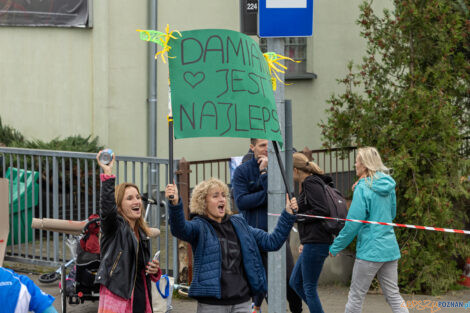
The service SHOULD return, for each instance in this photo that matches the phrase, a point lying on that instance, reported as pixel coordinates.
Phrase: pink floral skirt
(112, 303)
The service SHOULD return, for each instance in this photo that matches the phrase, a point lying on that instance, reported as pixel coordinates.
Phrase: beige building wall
(57, 82)
(335, 42)
(45, 79)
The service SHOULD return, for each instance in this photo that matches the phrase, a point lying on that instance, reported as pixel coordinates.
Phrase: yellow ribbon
(159, 38)
(274, 66)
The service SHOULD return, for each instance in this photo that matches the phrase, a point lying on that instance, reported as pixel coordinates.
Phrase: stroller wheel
(63, 291)
(48, 278)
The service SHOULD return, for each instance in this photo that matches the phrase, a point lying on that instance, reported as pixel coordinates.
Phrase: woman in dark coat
(314, 238)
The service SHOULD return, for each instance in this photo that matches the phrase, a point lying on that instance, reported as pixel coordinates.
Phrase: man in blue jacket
(250, 186)
(250, 190)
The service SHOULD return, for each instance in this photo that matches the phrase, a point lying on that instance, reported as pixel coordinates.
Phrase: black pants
(295, 302)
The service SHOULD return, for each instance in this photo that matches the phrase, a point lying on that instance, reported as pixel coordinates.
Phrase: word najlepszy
(224, 116)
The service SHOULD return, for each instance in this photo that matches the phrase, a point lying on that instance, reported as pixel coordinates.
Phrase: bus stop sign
(285, 18)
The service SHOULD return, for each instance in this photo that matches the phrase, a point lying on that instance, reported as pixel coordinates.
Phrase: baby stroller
(80, 285)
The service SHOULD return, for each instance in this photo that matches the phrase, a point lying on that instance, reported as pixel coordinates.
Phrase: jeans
(244, 307)
(304, 279)
(363, 273)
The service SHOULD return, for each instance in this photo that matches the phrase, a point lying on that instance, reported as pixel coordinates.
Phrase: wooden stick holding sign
(283, 172)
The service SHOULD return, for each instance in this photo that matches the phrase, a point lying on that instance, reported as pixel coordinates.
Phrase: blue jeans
(304, 278)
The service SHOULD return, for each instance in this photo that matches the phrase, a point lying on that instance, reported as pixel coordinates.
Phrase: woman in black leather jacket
(315, 240)
(125, 248)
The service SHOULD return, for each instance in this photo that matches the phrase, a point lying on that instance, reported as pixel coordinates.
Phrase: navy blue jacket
(250, 190)
(207, 267)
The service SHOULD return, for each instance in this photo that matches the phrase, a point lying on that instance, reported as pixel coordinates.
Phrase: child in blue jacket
(19, 294)
(227, 268)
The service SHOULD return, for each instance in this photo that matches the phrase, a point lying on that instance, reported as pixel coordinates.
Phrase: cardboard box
(4, 225)
(67, 226)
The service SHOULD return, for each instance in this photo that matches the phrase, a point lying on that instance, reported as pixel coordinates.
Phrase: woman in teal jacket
(377, 252)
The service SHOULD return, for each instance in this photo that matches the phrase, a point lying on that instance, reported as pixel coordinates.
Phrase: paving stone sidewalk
(333, 299)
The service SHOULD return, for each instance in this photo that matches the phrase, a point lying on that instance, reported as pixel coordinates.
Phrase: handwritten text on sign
(221, 87)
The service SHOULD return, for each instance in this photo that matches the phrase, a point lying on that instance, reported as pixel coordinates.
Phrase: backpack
(336, 205)
(90, 241)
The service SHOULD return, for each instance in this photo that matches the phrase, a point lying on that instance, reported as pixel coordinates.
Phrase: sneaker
(253, 310)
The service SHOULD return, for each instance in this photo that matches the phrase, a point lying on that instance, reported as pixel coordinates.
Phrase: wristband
(264, 170)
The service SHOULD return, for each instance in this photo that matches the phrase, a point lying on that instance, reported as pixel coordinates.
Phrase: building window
(46, 13)
(295, 48)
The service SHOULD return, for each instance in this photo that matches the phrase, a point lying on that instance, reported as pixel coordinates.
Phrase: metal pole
(152, 84)
(175, 256)
(171, 175)
(55, 204)
(276, 202)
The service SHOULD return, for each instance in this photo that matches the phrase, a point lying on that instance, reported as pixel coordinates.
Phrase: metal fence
(66, 185)
(338, 163)
(202, 170)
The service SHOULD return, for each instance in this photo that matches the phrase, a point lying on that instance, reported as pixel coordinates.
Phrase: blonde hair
(370, 158)
(119, 196)
(302, 163)
(198, 203)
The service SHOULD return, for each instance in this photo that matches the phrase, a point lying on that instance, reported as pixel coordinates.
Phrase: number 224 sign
(252, 6)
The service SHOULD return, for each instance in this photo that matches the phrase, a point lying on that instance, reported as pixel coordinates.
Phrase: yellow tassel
(273, 82)
(166, 48)
(274, 66)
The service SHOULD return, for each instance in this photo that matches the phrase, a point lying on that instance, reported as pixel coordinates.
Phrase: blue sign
(285, 18)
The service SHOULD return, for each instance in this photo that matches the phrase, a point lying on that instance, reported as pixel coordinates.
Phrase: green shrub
(13, 138)
(71, 143)
(9, 134)
(410, 98)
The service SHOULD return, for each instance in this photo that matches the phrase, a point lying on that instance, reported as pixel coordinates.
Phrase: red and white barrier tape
(447, 230)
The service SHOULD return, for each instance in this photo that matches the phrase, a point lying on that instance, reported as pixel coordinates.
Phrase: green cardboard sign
(221, 87)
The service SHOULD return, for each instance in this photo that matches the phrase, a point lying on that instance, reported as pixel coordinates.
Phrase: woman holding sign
(125, 271)
(227, 263)
(377, 248)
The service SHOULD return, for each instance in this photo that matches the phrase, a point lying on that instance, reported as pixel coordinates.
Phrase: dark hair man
(250, 190)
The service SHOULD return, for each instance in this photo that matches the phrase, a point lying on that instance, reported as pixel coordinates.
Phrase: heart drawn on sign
(194, 79)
